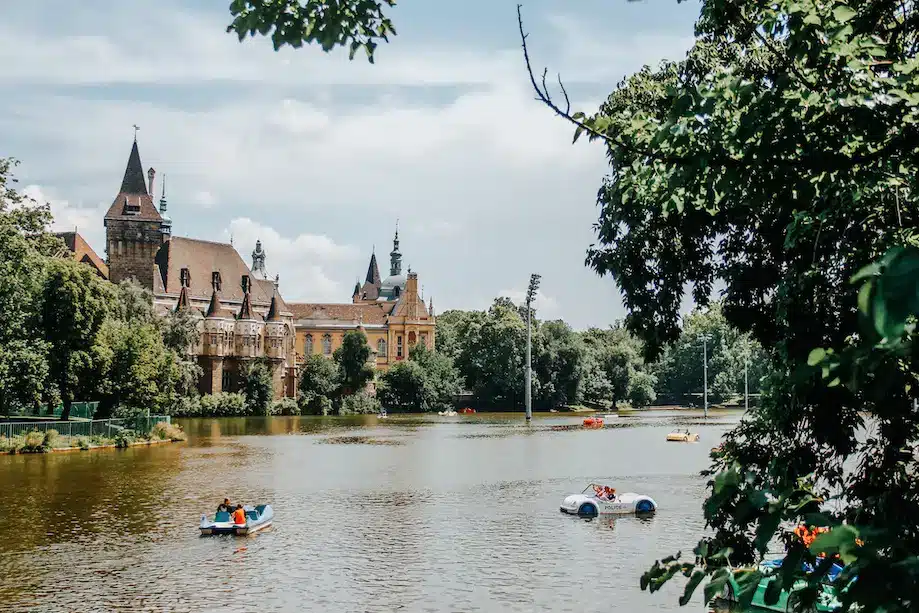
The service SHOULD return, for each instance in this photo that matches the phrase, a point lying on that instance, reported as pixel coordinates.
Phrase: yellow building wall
(391, 335)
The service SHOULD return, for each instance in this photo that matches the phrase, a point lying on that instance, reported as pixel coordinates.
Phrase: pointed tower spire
(134, 182)
(274, 311)
(431, 307)
(182, 302)
(373, 271)
(245, 311)
(395, 257)
(215, 308)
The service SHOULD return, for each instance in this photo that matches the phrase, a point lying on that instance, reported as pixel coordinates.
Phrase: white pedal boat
(595, 500)
(257, 518)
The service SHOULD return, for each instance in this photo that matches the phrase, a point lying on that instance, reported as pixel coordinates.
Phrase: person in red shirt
(239, 516)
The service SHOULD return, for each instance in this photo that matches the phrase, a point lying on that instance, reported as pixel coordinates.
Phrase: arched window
(395, 291)
(327, 344)
(308, 345)
(411, 339)
(381, 347)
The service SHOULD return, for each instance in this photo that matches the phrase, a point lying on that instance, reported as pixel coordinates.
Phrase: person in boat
(239, 515)
(225, 506)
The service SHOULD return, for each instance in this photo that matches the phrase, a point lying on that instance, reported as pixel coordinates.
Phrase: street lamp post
(746, 387)
(531, 294)
(705, 374)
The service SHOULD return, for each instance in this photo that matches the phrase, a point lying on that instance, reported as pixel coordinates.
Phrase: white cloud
(311, 267)
(68, 217)
(258, 144)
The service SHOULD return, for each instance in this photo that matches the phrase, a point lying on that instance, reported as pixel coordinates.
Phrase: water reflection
(462, 515)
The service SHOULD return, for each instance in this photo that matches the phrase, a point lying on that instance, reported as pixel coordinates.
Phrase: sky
(320, 157)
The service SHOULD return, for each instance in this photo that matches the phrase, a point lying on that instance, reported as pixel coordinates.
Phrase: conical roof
(182, 302)
(134, 182)
(274, 312)
(373, 271)
(215, 308)
(245, 311)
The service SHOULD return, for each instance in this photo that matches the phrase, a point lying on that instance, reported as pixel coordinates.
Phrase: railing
(79, 410)
(107, 428)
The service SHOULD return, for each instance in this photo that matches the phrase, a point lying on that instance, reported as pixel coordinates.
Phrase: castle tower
(133, 227)
(166, 226)
(395, 257)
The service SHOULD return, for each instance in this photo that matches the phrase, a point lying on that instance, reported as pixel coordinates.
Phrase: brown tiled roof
(133, 201)
(202, 258)
(373, 313)
(82, 252)
(402, 307)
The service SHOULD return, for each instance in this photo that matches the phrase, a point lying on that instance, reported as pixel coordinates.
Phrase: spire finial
(136, 128)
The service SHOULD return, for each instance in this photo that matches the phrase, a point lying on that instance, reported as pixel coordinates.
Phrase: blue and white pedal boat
(257, 518)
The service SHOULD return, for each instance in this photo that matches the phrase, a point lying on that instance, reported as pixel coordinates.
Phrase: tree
(402, 387)
(780, 159)
(74, 305)
(558, 356)
(641, 389)
(137, 371)
(258, 386)
(318, 382)
(23, 374)
(353, 359)
(491, 360)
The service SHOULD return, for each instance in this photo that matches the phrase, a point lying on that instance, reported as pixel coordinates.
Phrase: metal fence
(79, 410)
(107, 428)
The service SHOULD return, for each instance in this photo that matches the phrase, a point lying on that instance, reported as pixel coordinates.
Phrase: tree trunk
(65, 414)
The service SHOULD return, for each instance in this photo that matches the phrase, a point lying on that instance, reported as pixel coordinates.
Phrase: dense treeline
(66, 334)
(484, 352)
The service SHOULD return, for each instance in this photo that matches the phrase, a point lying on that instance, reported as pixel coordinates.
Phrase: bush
(33, 442)
(82, 442)
(224, 404)
(285, 406)
(167, 432)
(125, 438)
(185, 406)
(51, 439)
(359, 404)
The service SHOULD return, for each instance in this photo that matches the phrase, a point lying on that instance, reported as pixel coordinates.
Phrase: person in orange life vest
(239, 516)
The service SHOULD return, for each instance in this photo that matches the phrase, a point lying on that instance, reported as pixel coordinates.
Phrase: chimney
(411, 284)
(150, 175)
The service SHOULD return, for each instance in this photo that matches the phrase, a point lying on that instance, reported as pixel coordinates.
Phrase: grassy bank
(46, 442)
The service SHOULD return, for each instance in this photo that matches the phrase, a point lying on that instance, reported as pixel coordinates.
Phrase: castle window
(184, 278)
(258, 340)
(226, 380)
(395, 291)
(215, 280)
(411, 339)
(381, 347)
(326, 344)
(399, 346)
(424, 338)
(245, 283)
(308, 345)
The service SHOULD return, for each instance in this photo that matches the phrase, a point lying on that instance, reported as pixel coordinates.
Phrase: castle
(241, 314)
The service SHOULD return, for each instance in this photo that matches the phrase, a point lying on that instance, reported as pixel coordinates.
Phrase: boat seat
(222, 516)
(260, 509)
(253, 515)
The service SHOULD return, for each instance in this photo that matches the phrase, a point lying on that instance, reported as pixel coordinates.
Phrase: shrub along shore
(51, 440)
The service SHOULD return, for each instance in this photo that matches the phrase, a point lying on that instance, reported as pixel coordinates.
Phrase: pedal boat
(257, 518)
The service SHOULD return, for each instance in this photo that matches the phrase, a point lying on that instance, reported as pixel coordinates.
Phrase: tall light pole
(746, 387)
(705, 373)
(531, 294)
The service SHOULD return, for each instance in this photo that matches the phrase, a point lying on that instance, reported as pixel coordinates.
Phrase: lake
(412, 513)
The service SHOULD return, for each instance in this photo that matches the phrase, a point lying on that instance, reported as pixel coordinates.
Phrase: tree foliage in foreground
(780, 158)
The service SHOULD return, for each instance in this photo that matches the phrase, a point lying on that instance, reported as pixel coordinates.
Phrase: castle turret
(133, 227)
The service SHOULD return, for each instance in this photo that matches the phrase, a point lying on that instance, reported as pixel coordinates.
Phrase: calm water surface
(409, 514)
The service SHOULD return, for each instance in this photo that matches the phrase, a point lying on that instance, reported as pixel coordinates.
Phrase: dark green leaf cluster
(355, 24)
